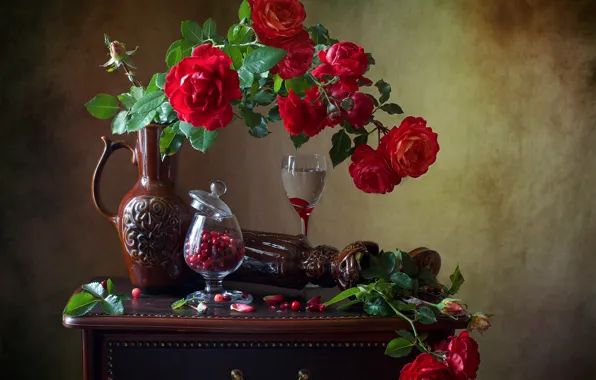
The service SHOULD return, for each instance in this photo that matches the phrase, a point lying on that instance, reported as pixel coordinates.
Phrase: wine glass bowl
(303, 177)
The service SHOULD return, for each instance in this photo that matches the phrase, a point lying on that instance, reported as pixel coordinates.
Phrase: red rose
(200, 88)
(308, 115)
(338, 91)
(426, 367)
(299, 57)
(277, 19)
(346, 61)
(371, 172)
(463, 356)
(411, 148)
(361, 111)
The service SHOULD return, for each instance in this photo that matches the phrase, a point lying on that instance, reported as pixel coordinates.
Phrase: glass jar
(214, 247)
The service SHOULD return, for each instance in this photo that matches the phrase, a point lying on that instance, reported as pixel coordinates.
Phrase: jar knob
(218, 188)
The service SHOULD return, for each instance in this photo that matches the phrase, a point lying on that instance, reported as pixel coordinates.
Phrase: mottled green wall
(508, 85)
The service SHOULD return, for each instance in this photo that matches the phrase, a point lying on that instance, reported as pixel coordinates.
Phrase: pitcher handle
(110, 147)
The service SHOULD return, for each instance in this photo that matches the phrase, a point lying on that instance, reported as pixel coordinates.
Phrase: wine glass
(303, 177)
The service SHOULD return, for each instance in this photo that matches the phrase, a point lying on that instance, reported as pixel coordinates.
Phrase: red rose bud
(450, 306)
(273, 300)
(117, 51)
(314, 301)
(297, 61)
(479, 322)
(242, 308)
(308, 115)
(361, 110)
(371, 172)
(410, 149)
(201, 87)
(463, 356)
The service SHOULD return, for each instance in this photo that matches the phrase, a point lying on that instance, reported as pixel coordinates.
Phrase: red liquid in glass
(304, 209)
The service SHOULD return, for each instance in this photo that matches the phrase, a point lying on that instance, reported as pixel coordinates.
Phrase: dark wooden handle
(110, 147)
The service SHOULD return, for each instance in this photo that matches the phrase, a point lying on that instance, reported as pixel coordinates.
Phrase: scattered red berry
(136, 293)
(218, 298)
(272, 308)
(295, 305)
(104, 284)
(284, 306)
(227, 297)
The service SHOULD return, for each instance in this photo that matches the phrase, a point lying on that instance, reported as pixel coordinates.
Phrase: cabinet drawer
(142, 360)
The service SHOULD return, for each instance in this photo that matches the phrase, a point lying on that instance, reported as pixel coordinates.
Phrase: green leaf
(457, 280)
(192, 32)
(385, 90)
(244, 12)
(177, 51)
(319, 34)
(371, 60)
(263, 59)
(80, 304)
(112, 305)
(277, 82)
(361, 139)
(139, 121)
(235, 53)
(171, 140)
(178, 304)
(160, 81)
(95, 289)
(127, 100)
(256, 123)
(375, 305)
(299, 140)
(110, 286)
(351, 129)
(299, 85)
(165, 113)
(407, 335)
(200, 138)
(209, 29)
(119, 123)
(106, 39)
(240, 34)
(408, 266)
(246, 78)
(426, 316)
(401, 305)
(264, 97)
(103, 106)
(152, 86)
(392, 109)
(137, 92)
(273, 114)
(149, 102)
(348, 304)
(343, 295)
(398, 348)
(402, 280)
(340, 149)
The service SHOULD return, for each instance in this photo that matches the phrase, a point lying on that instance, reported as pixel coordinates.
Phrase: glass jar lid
(209, 204)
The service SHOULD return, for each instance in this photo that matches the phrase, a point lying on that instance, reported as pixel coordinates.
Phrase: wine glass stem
(304, 223)
(214, 286)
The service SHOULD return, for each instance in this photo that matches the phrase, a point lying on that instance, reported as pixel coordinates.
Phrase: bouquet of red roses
(303, 77)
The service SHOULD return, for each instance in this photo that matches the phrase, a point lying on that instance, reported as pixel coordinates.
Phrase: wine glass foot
(229, 297)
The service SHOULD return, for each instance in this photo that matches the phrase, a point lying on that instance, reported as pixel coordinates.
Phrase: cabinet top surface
(154, 313)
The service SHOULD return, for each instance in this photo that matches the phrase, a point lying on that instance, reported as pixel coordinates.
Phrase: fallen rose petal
(201, 307)
(274, 299)
(314, 301)
(319, 307)
(242, 308)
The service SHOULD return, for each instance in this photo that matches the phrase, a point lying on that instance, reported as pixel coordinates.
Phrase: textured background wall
(508, 84)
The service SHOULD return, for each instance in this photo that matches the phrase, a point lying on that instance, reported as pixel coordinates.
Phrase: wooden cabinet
(151, 341)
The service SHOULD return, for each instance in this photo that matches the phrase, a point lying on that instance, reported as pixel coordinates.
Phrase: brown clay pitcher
(152, 220)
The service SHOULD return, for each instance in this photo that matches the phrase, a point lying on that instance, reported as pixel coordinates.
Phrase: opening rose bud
(450, 306)
(117, 51)
(480, 322)
(242, 308)
(274, 299)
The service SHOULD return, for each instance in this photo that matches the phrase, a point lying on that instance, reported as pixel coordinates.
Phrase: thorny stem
(131, 75)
